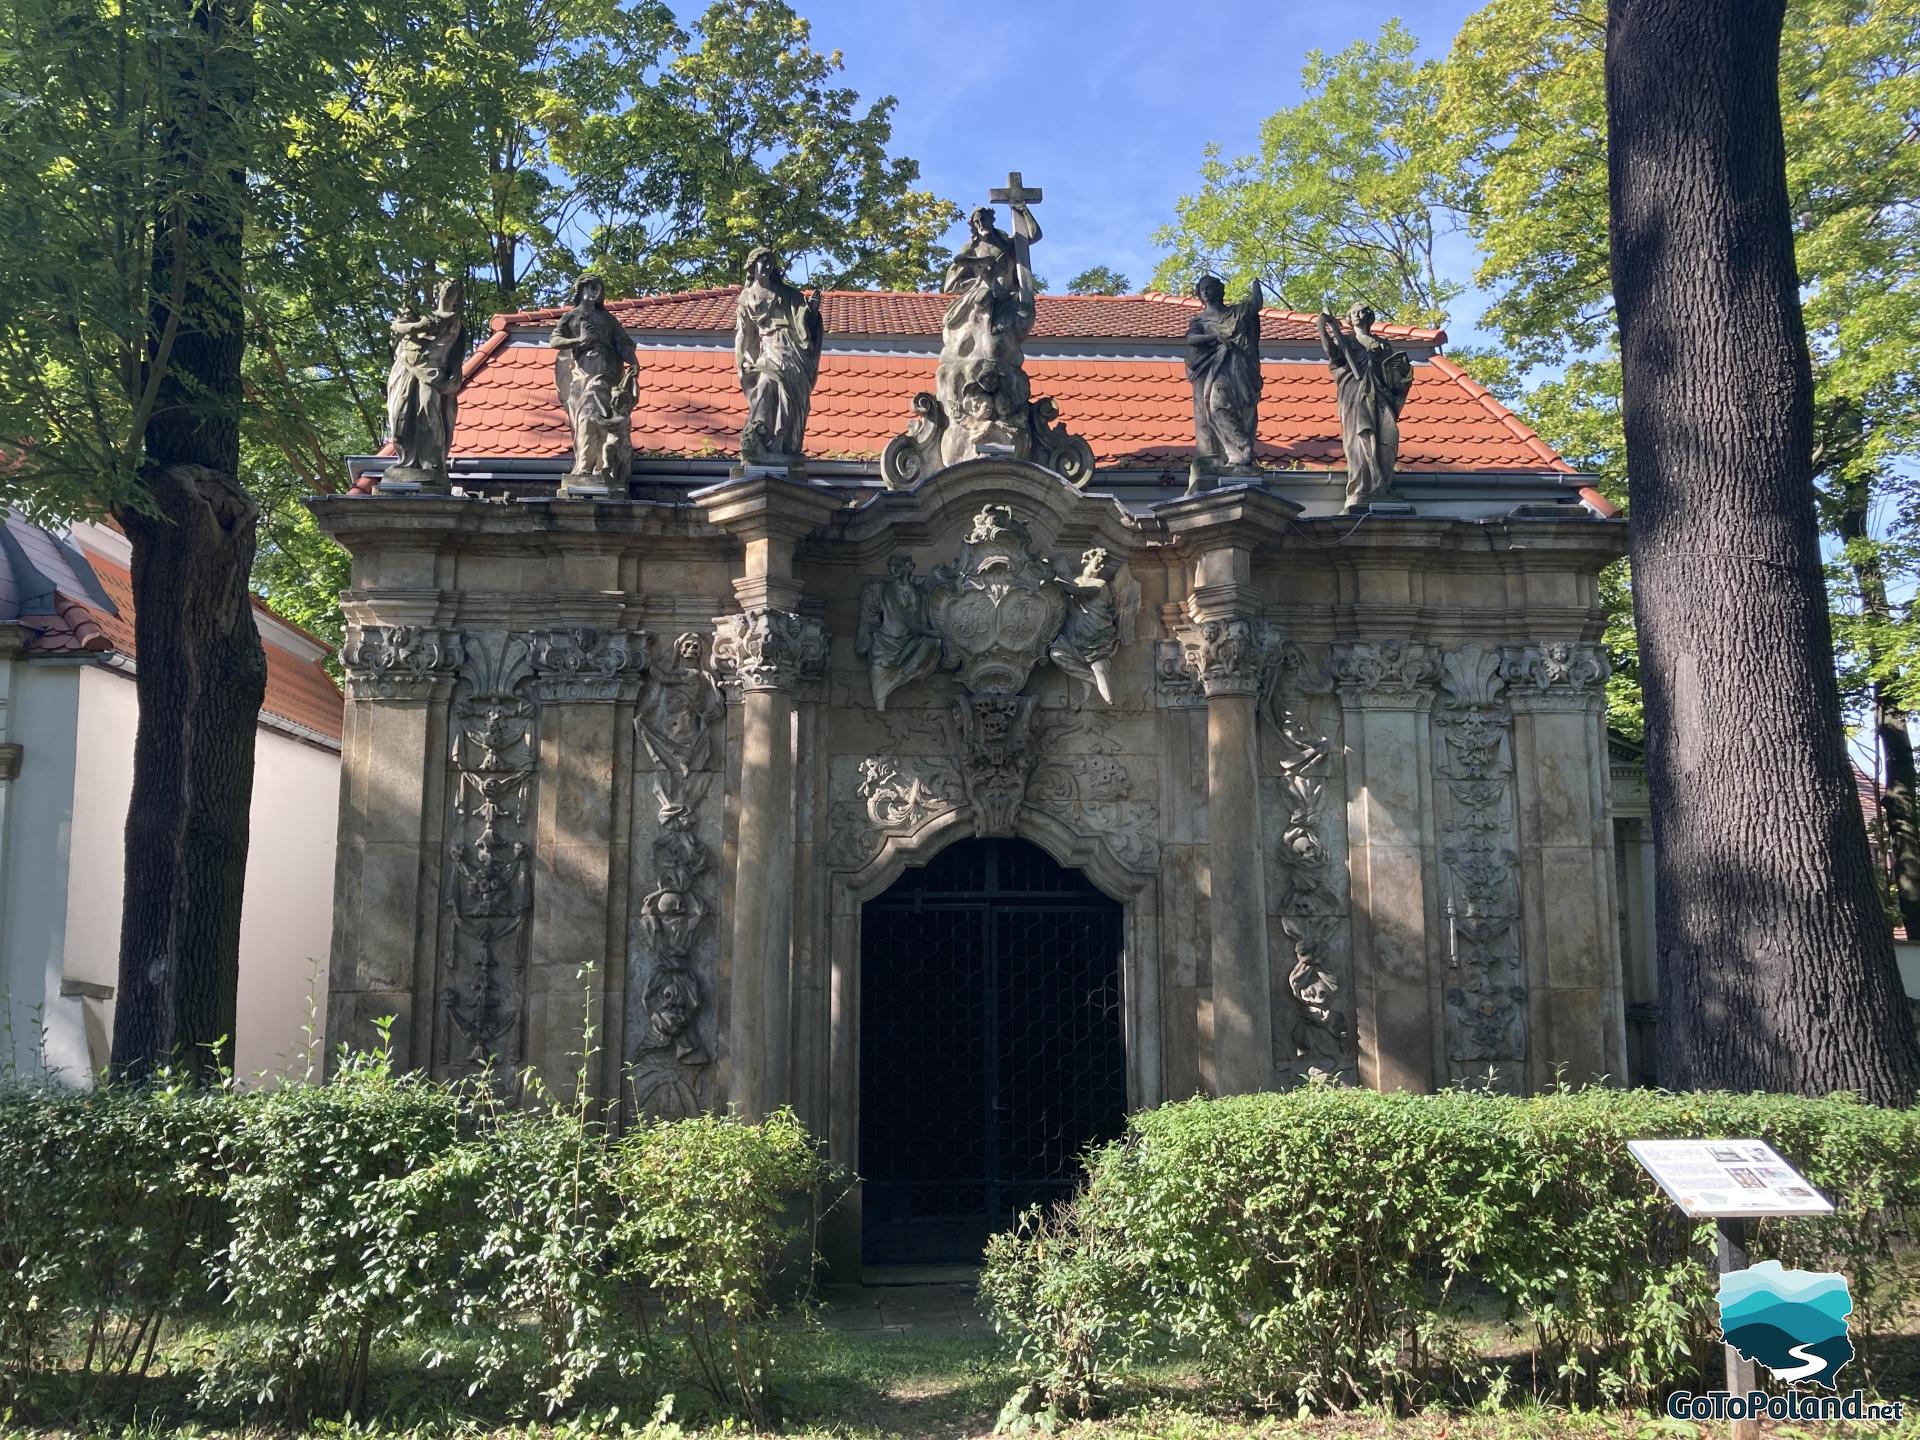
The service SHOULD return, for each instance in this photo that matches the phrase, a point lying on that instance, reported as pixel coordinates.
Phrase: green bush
(709, 1211)
(1322, 1247)
(324, 1263)
(108, 1212)
(319, 1227)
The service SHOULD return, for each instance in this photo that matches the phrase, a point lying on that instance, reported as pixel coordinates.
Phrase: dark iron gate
(991, 1046)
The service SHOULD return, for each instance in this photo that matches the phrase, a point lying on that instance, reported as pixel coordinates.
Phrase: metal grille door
(991, 1046)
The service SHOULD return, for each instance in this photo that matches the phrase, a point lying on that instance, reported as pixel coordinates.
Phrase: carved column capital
(401, 662)
(1227, 654)
(582, 664)
(1385, 674)
(768, 649)
(1556, 675)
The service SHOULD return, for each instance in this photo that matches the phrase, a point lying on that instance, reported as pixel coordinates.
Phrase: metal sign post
(1731, 1182)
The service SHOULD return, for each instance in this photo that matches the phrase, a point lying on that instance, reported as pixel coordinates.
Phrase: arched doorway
(992, 1046)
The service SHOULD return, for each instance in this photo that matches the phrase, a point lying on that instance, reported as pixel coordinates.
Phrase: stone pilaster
(1386, 691)
(1221, 530)
(387, 867)
(584, 681)
(764, 653)
(1557, 691)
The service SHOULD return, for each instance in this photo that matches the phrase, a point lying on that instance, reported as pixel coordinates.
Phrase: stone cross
(1016, 193)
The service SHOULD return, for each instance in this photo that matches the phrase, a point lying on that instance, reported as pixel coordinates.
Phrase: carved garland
(498, 681)
(1313, 894)
(1486, 994)
(672, 1047)
(494, 754)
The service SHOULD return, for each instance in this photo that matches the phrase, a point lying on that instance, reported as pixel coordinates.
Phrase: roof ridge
(1491, 404)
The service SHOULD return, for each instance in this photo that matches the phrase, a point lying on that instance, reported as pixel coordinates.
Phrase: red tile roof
(1152, 316)
(299, 689)
(1134, 412)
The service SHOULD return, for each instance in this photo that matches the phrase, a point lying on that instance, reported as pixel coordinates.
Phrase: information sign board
(1728, 1179)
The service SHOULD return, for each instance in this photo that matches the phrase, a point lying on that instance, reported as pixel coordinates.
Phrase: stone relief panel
(1313, 1040)
(1486, 991)
(673, 1039)
(995, 614)
(494, 743)
(1052, 759)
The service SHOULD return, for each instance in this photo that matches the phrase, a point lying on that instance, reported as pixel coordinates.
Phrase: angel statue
(1102, 603)
(776, 353)
(897, 637)
(1373, 380)
(423, 389)
(597, 372)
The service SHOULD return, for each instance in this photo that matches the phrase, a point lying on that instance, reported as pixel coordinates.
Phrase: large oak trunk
(201, 672)
(1776, 963)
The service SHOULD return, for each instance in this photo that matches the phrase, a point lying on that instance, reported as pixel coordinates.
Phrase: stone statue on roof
(1373, 380)
(597, 373)
(1223, 364)
(423, 390)
(982, 402)
(776, 353)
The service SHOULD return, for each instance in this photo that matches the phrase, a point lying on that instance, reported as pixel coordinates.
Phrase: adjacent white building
(68, 710)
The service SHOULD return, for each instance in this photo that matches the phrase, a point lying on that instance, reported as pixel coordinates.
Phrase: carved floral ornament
(400, 662)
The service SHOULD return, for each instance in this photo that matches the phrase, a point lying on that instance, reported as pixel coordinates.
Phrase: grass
(847, 1385)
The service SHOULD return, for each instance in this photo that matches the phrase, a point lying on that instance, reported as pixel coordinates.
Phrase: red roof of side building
(299, 689)
(1133, 411)
(72, 595)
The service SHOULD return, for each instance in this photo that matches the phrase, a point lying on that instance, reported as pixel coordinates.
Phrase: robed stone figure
(982, 379)
(1373, 380)
(1223, 362)
(423, 389)
(776, 353)
(897, 637)
(596, 372)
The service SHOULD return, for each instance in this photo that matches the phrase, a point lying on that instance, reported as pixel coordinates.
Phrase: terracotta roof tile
(1133, 412)
(1151, 315)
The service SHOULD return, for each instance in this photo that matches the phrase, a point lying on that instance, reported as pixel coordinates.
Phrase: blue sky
(1105, 104)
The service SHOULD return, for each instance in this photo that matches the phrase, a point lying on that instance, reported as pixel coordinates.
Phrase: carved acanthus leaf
(400, 662)
(768, 649)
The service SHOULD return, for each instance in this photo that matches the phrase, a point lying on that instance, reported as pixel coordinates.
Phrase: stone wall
(620, 764)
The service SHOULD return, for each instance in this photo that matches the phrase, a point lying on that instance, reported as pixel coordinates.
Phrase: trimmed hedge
(1323, 1247)
(311, 1228)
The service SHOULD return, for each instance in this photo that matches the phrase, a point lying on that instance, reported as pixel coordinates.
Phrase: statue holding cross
(982, 403)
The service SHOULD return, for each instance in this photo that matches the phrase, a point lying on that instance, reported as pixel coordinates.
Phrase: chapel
(967, 717)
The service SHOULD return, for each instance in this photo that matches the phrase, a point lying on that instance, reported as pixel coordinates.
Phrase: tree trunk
(201, 674)
(1776, 963)
(1897, 797)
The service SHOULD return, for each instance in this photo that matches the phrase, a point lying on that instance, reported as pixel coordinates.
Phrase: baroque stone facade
(636, 766)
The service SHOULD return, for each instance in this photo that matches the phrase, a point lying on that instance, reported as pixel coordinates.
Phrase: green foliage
(322, 1230)
(1324, 1247)
(512, 144)
(317, 1272)
(108, 1214)
(1099, 280)
(708, 1215)
(1339, 202)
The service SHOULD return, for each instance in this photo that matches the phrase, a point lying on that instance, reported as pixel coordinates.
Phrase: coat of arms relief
(992, 617)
